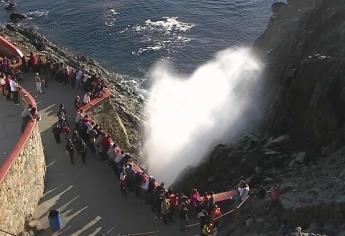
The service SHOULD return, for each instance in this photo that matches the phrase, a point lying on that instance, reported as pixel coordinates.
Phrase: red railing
(9, 49)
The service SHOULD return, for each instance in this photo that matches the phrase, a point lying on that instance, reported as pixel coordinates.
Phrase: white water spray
(187, 116)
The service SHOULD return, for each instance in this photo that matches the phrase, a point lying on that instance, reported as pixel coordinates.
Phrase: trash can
(54, 220)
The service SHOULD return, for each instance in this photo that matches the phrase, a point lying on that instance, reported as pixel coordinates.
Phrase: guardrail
(9, 49)
(6, 165)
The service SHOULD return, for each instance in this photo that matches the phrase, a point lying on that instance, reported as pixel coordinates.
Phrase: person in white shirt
(87, 98)
(243, 190)
(38, 83)
(14, 90)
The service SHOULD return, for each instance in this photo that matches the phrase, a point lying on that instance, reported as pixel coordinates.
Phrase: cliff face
(304, 51)
(299, 145)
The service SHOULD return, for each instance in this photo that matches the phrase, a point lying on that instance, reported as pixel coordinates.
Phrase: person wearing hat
(38, 83)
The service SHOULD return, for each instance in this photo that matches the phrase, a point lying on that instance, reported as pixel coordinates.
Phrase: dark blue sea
(129, 36)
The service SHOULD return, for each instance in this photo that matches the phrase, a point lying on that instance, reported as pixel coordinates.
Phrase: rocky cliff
(300, 144)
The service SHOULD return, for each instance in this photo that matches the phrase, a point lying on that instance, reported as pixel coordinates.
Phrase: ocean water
(129, 36)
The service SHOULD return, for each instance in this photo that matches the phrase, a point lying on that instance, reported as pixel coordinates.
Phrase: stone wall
(22, 187)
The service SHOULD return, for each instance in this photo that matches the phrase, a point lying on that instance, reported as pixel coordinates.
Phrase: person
(194, 200)
(78, 79)
(275, 193)
(243, 190)
(75, 137)
(2, 83)
(38, 82)
(14, 90)
(173, 198)
(8, 87)
(215, 214)
(82, 149)
(78, 118)
(211, 202)
(57, 131)
(77, 103)
(184, 213)
(70, 150)
(165, 209)
(26, 116)
(65, 129)
(123, 182)
(208, 229)
(87, 98)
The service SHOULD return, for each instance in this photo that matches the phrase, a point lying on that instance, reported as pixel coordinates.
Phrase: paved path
(87, 196)
(10, 122)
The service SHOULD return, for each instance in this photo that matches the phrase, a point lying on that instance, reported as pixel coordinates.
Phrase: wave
(169, 24)
(110, 17)
(37, 13)
(160, 34)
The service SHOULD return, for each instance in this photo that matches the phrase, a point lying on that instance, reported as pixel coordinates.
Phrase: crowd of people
(87, 136)
(46, 68)
(9, 80)
(165, 203)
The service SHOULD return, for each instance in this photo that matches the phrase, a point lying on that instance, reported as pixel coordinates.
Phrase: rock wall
(23, 185)
(107, 116)
(303, 49)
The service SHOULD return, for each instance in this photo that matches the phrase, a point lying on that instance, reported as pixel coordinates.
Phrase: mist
(188, 115)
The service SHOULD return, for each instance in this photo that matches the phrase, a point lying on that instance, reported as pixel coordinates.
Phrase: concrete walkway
(87, 196)
(10, 122)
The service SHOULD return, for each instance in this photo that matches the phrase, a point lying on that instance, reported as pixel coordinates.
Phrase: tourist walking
(70, 150)
(14, 87)
(38, 83)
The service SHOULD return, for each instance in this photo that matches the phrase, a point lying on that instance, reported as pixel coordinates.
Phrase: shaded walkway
(87, 196)
(10, 122)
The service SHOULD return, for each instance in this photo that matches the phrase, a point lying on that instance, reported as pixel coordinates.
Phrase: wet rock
(300, 158)
(17, 17)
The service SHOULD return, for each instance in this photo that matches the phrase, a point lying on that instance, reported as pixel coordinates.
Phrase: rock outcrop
(300, 145)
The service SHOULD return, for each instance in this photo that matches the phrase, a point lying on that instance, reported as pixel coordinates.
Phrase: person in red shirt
(215, 213)
(173, 198)
(105, 145)
(194, 199)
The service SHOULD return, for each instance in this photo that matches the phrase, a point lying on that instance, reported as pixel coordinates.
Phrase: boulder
(300, 158)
